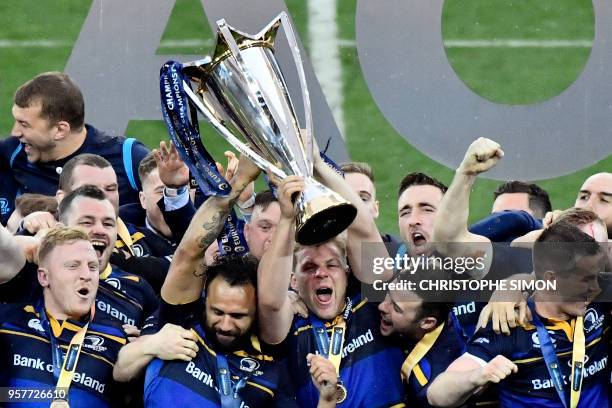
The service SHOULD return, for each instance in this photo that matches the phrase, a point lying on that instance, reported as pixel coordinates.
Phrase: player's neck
(56, 312)
(69, 145)
(548, 306)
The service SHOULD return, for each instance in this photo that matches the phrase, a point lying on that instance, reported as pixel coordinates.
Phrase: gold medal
(59, 403)
(340, 393)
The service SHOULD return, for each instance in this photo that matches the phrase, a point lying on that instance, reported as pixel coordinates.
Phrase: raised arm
(362, 230)
(274, 273)
(184, 281)
(451, 235)
(11, 254)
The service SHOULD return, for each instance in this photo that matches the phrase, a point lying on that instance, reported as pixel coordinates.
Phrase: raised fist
(482, 154)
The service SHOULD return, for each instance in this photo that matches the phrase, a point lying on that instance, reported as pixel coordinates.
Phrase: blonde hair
(339, 241)
(59, 236)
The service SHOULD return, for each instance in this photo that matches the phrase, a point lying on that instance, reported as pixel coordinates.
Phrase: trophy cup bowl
(242, 92)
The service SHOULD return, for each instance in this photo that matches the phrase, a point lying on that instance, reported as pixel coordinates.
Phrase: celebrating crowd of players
(116, 291)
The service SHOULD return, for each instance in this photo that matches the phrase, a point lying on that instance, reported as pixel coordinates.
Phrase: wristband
(174, 192)
(248, 203)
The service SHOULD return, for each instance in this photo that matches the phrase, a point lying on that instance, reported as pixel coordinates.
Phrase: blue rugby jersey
(507, 261)
(370, 366)
(121, 296)
(147, 242)
(194, 383)
(531, 386)
(8, 192)
(27, 362)
(449, 346)
(125, 297)
(43, 178)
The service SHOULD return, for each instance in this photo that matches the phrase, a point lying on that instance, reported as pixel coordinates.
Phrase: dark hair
(419, 179)
(264, 199)
(434, 304)
(87, 190)
(235, 270)
(358, 167)
(60, 98)
(146, 166)
(85, 159)
(559, 248)
(579, 217)
(539, 202)
(28, 203)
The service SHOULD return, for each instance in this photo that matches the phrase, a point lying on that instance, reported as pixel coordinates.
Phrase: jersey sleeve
(151, 324)
(139, 151)
(486, 344)
(24, 286)
(181, 315)
(151, 301)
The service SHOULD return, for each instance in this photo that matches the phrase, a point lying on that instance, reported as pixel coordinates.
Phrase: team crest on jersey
(592, 320)
(138, 250)
(536, 340)
(4, 206)
(250, 366)
(35, 324)
(114, 282)
(95, 343)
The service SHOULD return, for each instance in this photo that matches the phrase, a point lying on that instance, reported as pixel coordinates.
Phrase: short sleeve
(486, 344)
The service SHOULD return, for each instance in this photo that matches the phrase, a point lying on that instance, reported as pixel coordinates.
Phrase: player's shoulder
(107, 328)
(10, 148)
(16, 313)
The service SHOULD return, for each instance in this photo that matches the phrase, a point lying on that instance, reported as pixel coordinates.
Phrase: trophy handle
(297, 59)
(254, 87)
(231, 139)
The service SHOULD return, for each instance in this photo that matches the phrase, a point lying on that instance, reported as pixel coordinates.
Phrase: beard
(240, 341)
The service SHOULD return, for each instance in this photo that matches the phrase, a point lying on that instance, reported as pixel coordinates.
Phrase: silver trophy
(242, 93)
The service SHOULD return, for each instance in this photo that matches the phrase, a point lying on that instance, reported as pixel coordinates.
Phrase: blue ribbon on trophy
(232, 240)
(182, 123)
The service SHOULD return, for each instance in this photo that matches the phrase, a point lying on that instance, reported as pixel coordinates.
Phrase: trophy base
(323, 218)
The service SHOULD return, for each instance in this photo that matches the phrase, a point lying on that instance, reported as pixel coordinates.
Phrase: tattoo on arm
(211, 231)
(200, 270)
(214, 222)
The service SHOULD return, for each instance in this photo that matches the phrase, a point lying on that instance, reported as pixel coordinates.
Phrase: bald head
(596, 195)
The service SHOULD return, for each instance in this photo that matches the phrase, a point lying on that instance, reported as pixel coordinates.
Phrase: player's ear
(550, 276)
(143, 200)
(63, 130)
(293, 283)
(43, 277)
(428, 323)
(59, 196)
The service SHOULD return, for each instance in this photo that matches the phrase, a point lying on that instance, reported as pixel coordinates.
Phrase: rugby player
(35, 337)
(228, 366)
(367, 365)
(596, 195)
(560, 359)
(429, 330)
(50, 129)
(122, 296)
